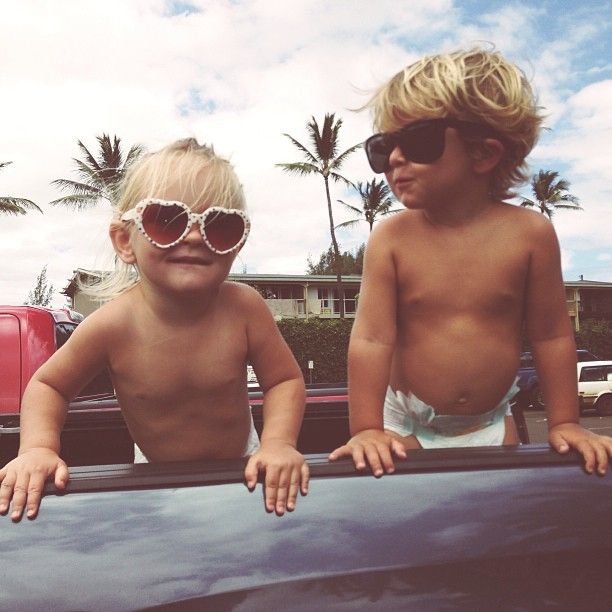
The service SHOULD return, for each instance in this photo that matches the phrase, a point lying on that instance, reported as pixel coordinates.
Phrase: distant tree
(99, 177)
(15, 206)
(326, 162)
(376, 201)
(42, 293)
(352, 263)
(550, 193)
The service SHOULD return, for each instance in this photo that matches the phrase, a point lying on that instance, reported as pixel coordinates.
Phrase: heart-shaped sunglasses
(165, 223)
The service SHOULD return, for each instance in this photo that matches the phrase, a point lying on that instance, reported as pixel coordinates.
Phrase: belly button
(462, 400)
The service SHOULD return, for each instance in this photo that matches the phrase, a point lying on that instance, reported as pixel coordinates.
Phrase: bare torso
(182, 388)
(460, 302)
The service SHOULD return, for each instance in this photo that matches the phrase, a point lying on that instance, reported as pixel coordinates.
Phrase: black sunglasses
(421, 142)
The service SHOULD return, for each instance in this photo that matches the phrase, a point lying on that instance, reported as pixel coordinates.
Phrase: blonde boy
(176, 339)
(449, 284)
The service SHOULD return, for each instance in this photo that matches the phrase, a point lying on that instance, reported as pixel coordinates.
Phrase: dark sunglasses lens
(224, 230)
(422, 144)
(164, 224)
(378, 148)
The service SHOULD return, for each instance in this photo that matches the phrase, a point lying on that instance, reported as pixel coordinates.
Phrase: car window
(101, 384)
(63, 331)
(592, 374)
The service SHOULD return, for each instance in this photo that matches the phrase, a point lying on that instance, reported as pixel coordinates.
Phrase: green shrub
(596, 336)
(323, 341)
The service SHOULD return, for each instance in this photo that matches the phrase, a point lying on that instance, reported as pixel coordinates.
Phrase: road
(538, 431)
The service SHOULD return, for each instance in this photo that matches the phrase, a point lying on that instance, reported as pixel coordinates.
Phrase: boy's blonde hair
(182, 165)
(473, 85)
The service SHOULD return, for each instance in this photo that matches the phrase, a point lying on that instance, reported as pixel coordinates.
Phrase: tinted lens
(223, 230)
(421, 143)
(164, 224)
(378, 148)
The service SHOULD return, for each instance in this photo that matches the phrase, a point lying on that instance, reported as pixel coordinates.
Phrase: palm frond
(339, 178)
(76, 201)
(350, 207)
(88, 156)
(78, 188)
(17, 206)
(342, 157)
(309, 156)
(351, 223)
(300, 168)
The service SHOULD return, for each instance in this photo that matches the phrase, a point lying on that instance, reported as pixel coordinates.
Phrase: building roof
(293, 278)
(588, 283)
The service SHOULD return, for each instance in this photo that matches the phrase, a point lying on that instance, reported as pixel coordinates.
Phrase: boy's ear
(121, 239)
(486, 155)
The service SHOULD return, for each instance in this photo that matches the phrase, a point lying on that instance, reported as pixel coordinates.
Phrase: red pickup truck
(95, 432)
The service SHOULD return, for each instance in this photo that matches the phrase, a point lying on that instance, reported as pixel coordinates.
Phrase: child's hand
(375, 446)
(286, 473)
(23, 480)
(594, 448)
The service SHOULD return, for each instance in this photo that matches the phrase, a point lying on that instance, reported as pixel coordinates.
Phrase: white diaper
(407, 415)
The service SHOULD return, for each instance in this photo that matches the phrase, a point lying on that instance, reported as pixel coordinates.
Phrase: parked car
(595, 386)
(460, 529)
(530, 394)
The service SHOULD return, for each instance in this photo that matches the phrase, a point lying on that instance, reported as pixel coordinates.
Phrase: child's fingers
(558, 442)
(305, 472)
(373, 458)
(601, 453)
(251, 471)
(398, 448)
(34, 493)
(341, 451)
(271, 487)
(6, 491)
(588, 453)
(61, 475)
(20, 490)
(386, 459)
(294, 487)
(282, 491)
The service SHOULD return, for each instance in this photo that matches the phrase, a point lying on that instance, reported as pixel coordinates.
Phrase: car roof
(590, 364)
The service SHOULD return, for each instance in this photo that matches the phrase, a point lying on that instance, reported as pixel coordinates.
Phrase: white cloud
(239, 74)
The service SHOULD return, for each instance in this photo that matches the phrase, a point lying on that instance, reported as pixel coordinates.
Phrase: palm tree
(376, 201)
(551, 193)
(15, 206)
(99, 177)
(326, 162)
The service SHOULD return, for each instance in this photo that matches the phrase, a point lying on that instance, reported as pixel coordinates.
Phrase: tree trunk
(337, 259)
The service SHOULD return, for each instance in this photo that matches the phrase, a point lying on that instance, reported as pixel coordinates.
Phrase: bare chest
(482, 275)
(178, 366)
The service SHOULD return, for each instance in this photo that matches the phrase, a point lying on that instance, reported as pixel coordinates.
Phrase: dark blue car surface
(479, 529)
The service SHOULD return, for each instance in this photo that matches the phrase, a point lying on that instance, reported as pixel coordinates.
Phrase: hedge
(325, 342)
(596, 336)
(322, 341)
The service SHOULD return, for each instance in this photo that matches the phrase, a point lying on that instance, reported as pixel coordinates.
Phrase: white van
(595, 386)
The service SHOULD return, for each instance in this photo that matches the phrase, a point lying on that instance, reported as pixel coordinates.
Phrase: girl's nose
(194, 233)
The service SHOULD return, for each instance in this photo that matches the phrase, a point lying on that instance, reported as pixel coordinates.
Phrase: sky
(241, 73)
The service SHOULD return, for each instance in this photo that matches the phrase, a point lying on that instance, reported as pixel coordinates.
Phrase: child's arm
(281, 380)
(43, 411)
(552, 339)
(369, 360)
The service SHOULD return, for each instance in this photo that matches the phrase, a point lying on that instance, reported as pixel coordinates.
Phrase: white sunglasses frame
(135, 215)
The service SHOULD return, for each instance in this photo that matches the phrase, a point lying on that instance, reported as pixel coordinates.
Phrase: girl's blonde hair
(474, 85)
(193, 170)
